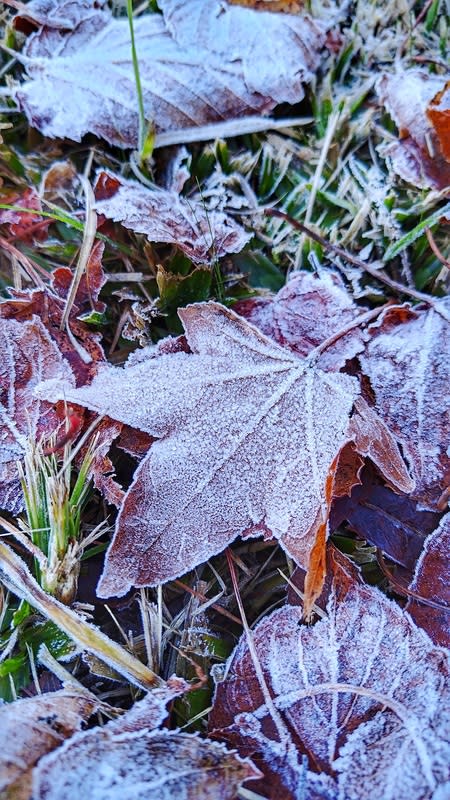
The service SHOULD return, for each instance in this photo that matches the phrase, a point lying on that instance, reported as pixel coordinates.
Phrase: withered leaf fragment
(130, 759)
(363, 693)
(247, 433)
(418, 102)
(164, 216)
(34, 726)
(432, 582)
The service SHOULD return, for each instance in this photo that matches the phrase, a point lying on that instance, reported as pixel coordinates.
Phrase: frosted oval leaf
(407, 362)
(243, 63)
(247, 433)
(364, 681)
(28, 357)
(305, 312)
(130, 759)
(34, 726)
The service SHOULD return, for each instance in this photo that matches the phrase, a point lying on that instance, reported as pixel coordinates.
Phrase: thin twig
(205, 599)
(358, 262)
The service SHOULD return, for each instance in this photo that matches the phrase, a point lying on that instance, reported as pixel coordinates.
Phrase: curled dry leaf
(363, 694)
(386, 519)
(306, 312)
(49, 304)
(164, 216)
(432, 582)
(28, 356)
(129, 759)
(407, 363)
(247, 434)
(419, 104)
(199, 63)
(33, 727)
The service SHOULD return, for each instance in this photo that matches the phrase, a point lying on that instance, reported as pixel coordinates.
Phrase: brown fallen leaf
(130, 759)
(28, 356)
(33, 727)
(418, 102)
(164, 216)
(246, 434)
(199, 63)
(406, 360)
(432, 582)
(306, 311)
(363, 694)
(387, 519)
(48, 304)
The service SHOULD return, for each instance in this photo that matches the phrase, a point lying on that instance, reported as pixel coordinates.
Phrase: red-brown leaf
(28, 356)
(359, 693)
(432, 582)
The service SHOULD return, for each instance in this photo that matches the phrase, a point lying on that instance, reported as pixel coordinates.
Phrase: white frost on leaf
(164, 216)
(28, 356)
(418, 102)
(238, 62)
(409, 369)
(130, 759)
(34, 726)
(246, 433)
(363, 692)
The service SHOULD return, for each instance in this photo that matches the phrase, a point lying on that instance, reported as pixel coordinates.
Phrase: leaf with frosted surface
(244, 62)
(129, 759)
(363, 693)
(246, 432)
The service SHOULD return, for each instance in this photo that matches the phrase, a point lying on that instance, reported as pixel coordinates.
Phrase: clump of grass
(54, 504)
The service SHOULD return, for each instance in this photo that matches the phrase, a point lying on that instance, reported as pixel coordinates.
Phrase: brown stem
(358, 262)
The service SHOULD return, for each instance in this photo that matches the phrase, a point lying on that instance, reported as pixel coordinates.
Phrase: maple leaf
(431, 582)
(418, 102)
(28, 356)
(247, 434)
(407, 364)
(363, 694)
(130, 758)
(200, 63)
(164, 216)
(33, 727)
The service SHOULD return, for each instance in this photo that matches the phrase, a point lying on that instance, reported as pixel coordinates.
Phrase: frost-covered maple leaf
(246, 435)
(363, 693)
